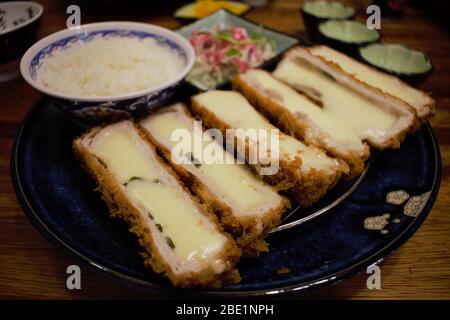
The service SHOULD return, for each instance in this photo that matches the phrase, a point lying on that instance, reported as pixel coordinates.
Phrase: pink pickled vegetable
(221, 53)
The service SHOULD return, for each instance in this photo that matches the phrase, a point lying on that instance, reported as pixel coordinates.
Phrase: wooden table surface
(31, 268)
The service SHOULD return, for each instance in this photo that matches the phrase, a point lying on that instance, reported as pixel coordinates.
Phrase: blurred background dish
(391, 8)
(225, 27)
(409, 65)
(19, 22)
(315, 12)
(200, 9)
(346, 36)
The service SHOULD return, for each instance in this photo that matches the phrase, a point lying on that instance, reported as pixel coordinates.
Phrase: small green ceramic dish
(225, 19)
(315, 12)
(407, 64)
(346, 35)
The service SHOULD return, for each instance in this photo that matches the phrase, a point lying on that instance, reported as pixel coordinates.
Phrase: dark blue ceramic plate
(386, 208)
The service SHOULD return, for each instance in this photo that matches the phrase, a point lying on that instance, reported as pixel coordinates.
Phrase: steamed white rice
(105, 67)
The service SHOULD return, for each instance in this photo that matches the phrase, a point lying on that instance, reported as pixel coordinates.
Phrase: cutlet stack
(372, 82)
(194, 218)
(246, 206)
(382, 121)
(181, 239)
(299, 116)
(306, 181)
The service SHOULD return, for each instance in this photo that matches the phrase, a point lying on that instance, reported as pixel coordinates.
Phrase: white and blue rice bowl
(100, 109)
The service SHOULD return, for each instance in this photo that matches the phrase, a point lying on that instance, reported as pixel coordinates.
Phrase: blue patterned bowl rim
(34, 57)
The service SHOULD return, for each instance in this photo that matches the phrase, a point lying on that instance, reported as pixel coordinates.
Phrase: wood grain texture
(31, 268)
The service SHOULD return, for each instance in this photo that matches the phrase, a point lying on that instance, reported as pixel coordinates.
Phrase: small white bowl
(106, 106)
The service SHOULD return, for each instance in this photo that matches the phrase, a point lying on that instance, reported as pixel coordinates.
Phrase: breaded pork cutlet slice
(379, 119)
(246, 206)
(371, 80)
(299, 116)
(180, 238)
(305, 182)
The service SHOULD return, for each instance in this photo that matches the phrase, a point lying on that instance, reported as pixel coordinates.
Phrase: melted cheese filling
(233, 109)
(312, 158)
(385, 83)
(158, 194)
(340, 135)
(338, 101)
(231, 182)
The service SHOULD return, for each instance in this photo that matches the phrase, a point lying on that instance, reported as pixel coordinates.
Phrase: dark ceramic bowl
(19, 21)
(346, 36)
(413, 67)
(316, 12)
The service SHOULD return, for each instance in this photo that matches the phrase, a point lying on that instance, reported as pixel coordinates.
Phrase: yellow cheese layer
(150, 187)
(337, 100)
(233, 109)
(231, 182)
(312, 158)
(385, 83)
(340, 135)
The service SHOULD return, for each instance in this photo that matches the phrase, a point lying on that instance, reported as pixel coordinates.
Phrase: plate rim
(130, 281)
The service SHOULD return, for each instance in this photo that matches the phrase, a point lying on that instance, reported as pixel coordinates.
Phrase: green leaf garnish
(256, 36)
(132, 179)
(273, 44)
(233, 52)
(193, 160)
(150, 215)
(224, 35)
(329, 76)
(160, 228)
(170, 242)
